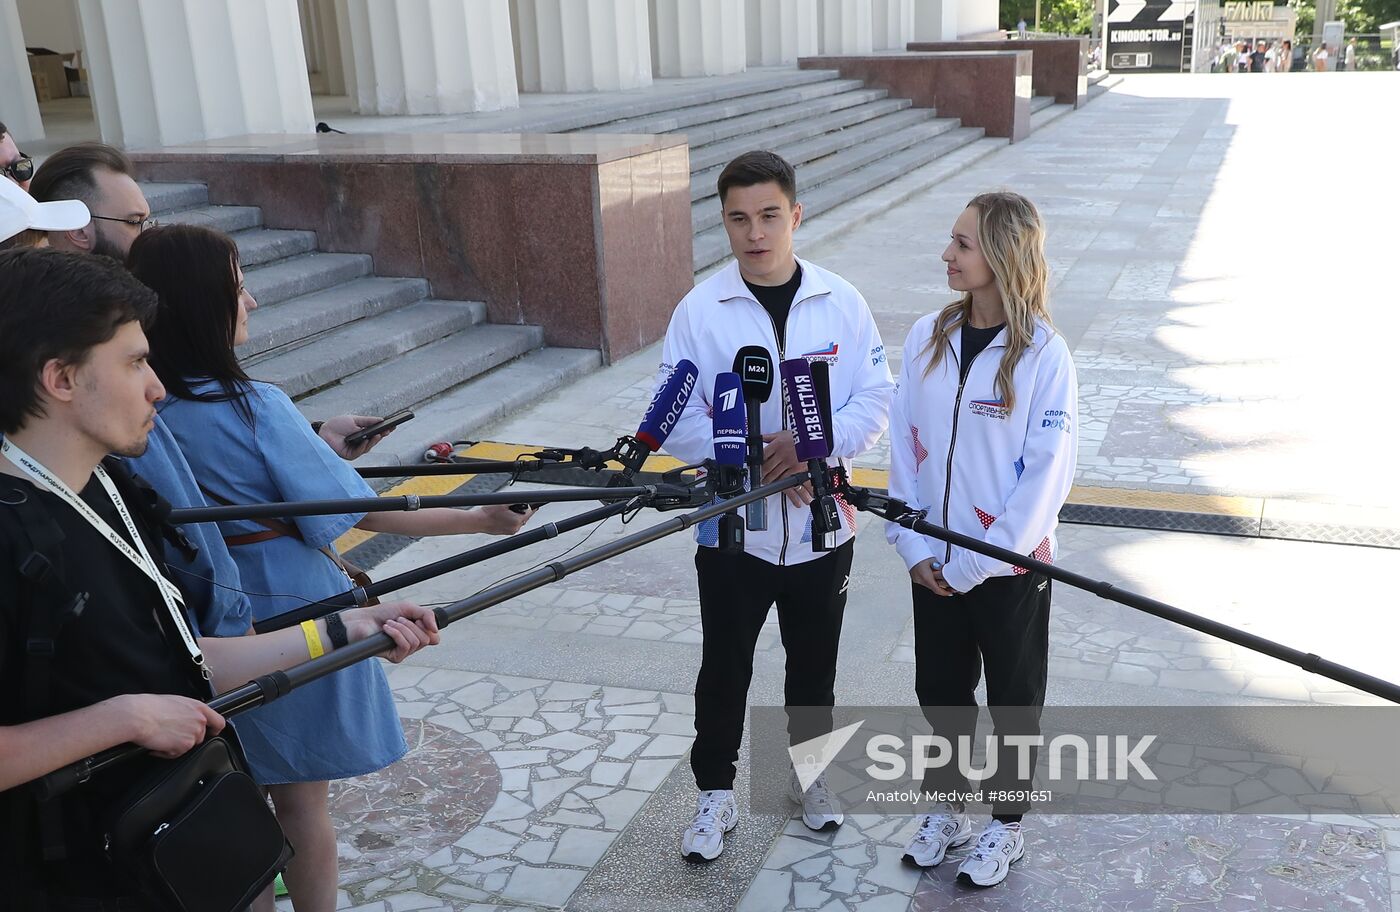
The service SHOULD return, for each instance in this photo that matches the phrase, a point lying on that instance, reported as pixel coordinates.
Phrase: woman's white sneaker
(716, 813)
(999, 846)
(938, 832)
(820, 811)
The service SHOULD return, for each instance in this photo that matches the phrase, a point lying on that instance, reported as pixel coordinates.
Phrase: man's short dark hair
(58, 305)
(3, 129)
(758, 167)
(71, 173)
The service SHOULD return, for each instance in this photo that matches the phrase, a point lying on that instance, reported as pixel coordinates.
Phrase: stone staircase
(844, 138)
(339, 339)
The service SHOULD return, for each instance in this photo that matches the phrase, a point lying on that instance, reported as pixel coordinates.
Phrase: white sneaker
(997, 848)
(820, 810)
(938, 832)
(715, 814)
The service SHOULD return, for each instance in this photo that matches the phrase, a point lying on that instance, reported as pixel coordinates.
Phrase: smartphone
(523, 508)
(388, 424)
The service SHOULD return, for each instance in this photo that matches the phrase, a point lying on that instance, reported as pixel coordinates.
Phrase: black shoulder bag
(197, 832)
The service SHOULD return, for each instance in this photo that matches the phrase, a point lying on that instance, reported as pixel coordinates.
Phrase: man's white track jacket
(1010, 473)
(829, 321)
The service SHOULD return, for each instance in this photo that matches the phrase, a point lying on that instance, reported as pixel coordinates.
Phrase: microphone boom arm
(411, 502)
(269, 687)
(897, 511)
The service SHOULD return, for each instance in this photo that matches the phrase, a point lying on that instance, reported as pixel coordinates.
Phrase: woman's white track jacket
(956, 452)
(829, 321)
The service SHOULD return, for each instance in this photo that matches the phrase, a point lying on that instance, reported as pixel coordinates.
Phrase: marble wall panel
(1060, 66)
(988, 89)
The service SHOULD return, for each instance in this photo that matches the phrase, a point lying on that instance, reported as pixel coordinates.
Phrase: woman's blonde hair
(1012, 238)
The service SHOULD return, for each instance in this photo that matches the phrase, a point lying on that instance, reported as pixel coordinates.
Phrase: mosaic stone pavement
(513, 788)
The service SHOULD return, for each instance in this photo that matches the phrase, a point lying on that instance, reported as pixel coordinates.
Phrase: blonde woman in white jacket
(983, 439)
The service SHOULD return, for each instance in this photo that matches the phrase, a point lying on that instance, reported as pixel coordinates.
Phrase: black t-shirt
(974, 340)
(122, 642)
(777, 300)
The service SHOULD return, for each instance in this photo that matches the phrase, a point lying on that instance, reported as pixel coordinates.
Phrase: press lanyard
(174, 602)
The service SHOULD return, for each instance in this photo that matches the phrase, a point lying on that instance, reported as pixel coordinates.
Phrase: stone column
(321, 37)
(583, 45)
(431, 56)
(697, 37)
(845, 27)
(935, 20)
(893, 24)
(780, 31)
(19, 108)
(177, 71)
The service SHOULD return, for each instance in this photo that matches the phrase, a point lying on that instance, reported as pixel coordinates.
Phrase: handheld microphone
(658, 422)
(754, 365)
(728, 474)
(813, 447)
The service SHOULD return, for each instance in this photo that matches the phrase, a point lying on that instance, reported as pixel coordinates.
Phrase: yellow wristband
(313, 639)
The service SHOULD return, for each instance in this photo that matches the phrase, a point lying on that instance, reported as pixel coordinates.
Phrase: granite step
(167, 196)
(836, 222)
(716, 155)
(465, 410)
(704, 215)
(1048, 114)
(286, 279)
(751, 111)
(827, 142)
(257, 246)
(364, 343)
(228, 219)
(1041, 102)
(703, 136)
(306, 316)
(712, 245)
(641, 104)
(424, 372)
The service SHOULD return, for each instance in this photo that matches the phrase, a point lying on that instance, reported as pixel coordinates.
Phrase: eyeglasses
(19, 170)
(140, 224)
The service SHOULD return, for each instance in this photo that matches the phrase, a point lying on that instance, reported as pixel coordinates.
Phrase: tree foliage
(1362, 17)
(1070, 17)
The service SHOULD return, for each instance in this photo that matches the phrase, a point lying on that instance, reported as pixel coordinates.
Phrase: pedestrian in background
(1256, 59)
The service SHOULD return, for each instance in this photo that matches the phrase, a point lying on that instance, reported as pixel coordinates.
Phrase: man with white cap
(20, 212)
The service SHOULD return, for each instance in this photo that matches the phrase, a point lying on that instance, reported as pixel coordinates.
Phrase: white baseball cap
(21, 212)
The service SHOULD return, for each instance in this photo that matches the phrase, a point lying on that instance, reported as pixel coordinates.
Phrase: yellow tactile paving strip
(1131, 498)
(1245, 508)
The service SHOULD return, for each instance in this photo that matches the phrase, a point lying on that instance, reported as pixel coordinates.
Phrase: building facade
(171, 71)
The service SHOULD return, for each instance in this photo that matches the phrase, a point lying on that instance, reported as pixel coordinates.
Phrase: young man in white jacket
(793, 309)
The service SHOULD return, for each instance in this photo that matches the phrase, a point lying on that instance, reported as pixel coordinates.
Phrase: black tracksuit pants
(1002, 625)
(736, 591)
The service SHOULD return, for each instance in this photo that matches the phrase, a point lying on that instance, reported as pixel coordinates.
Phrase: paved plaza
(1224, 270)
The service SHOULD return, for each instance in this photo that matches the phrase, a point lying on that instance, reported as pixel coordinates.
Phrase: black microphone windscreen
(754, 365)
